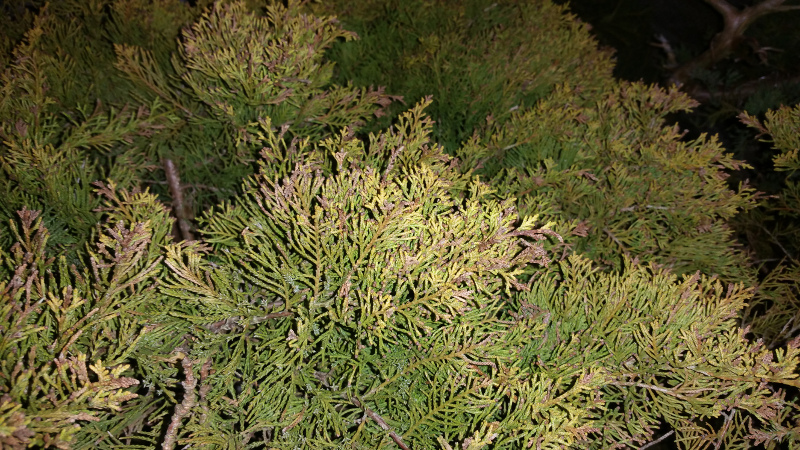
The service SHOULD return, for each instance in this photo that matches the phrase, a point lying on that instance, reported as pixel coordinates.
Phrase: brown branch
(381, 423)
(735, 21)
(724, 431)
(183, 409)
(648, 445)
(663, 44)
(205, 388)
(178, 206)
(616, 241)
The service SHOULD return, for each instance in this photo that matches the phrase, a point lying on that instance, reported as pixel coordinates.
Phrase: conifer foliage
(556, 275)
(141, 98)
(779, 291)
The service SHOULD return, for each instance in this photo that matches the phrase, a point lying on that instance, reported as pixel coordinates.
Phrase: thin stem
(183, 408)
(736, 22)
(178, 205)
(650, 444)
(381, 423)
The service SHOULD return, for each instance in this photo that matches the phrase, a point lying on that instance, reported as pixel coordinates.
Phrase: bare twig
(776, 241)
(650, 444)
(616, 241)
(381, 423)
(728, 420)
(735, 22)
(663, 43)
(178, 206)
(185, 406)
(205, 388)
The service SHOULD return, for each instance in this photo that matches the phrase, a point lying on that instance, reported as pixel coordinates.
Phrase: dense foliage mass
(219, 232)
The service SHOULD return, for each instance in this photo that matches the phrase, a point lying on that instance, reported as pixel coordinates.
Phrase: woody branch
(736, 21)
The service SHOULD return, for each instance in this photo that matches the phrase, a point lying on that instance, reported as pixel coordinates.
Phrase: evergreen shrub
(523, 96)
(212, 240)
(105, 90)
